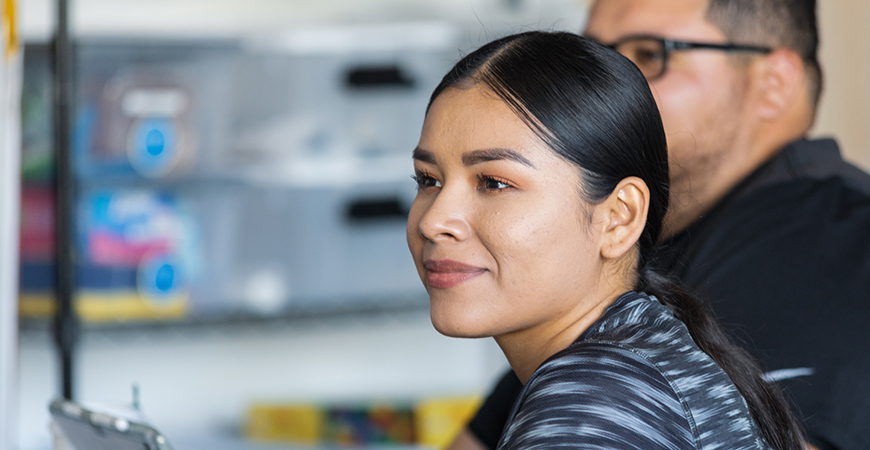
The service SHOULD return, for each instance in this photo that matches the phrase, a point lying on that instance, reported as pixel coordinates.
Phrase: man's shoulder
(820, 159)
(807, 195)
(793, 182)
(821, 220)
(806, 182)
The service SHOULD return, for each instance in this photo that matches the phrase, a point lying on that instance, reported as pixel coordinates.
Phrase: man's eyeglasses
(651, 53)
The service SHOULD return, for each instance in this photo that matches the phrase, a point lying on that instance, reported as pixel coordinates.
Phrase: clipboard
(86, 429)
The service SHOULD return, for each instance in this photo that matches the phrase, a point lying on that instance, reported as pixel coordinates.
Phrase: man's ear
(626, 211)
(780, 78)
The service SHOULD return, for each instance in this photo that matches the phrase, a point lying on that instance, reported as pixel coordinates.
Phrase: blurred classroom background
(242, 174)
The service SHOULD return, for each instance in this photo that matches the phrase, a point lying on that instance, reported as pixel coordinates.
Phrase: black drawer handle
(365, 210)
(374, 77)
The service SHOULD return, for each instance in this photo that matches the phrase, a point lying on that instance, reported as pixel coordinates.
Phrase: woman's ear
(626, 211)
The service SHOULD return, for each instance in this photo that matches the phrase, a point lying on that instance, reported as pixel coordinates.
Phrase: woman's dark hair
(594, 108)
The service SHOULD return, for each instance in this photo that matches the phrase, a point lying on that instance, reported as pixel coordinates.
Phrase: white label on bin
(154, 102)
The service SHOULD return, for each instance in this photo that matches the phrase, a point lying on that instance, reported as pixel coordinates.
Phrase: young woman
(542, 183)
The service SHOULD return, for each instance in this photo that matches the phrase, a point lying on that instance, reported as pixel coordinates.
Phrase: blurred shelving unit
(214, 177)
(240, 158)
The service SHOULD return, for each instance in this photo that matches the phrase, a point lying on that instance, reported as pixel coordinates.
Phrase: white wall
(845, 56)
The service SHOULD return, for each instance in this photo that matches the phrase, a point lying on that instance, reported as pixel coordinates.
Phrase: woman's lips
(445, 274)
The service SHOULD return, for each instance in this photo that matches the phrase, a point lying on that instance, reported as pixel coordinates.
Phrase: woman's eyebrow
(494, 154)
(477, 156)
(423, 155)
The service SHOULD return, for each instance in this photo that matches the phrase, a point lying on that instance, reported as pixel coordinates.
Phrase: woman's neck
(527, 349)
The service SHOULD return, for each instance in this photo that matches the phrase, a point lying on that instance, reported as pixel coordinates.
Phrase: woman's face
(500, 235)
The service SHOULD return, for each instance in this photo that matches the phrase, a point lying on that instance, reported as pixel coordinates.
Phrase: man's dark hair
(774, 23)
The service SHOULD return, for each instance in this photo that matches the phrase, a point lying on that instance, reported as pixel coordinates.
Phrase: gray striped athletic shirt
(635, 379)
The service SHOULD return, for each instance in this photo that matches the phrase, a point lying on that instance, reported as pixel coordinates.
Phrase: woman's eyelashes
(485, 183)
(425, 181)
(492, 184)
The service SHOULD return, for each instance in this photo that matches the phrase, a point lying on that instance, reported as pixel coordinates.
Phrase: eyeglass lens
(647, 54)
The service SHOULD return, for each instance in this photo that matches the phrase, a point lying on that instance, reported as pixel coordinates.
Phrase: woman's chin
(458, 327)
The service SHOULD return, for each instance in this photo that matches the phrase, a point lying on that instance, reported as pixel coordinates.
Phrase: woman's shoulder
(647, 331)
(605, 396)
(604, 376)
(643, 379)
(659, 342)
(601, 362)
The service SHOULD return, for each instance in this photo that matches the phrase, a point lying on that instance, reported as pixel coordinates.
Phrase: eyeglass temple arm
(681, 45)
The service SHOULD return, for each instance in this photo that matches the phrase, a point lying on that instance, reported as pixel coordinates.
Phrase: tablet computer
(85, 429)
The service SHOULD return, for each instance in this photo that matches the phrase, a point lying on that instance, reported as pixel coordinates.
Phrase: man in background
(771, 228)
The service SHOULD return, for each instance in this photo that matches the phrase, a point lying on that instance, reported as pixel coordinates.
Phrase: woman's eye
(425, 181)
(488, 183)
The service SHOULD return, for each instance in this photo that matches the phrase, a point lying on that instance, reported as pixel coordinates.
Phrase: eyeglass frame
(671, 45)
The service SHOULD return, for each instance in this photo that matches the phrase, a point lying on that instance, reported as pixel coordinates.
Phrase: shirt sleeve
(604, 397)
(488, 423)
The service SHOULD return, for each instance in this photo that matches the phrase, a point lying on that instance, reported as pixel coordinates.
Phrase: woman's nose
(447, 217)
